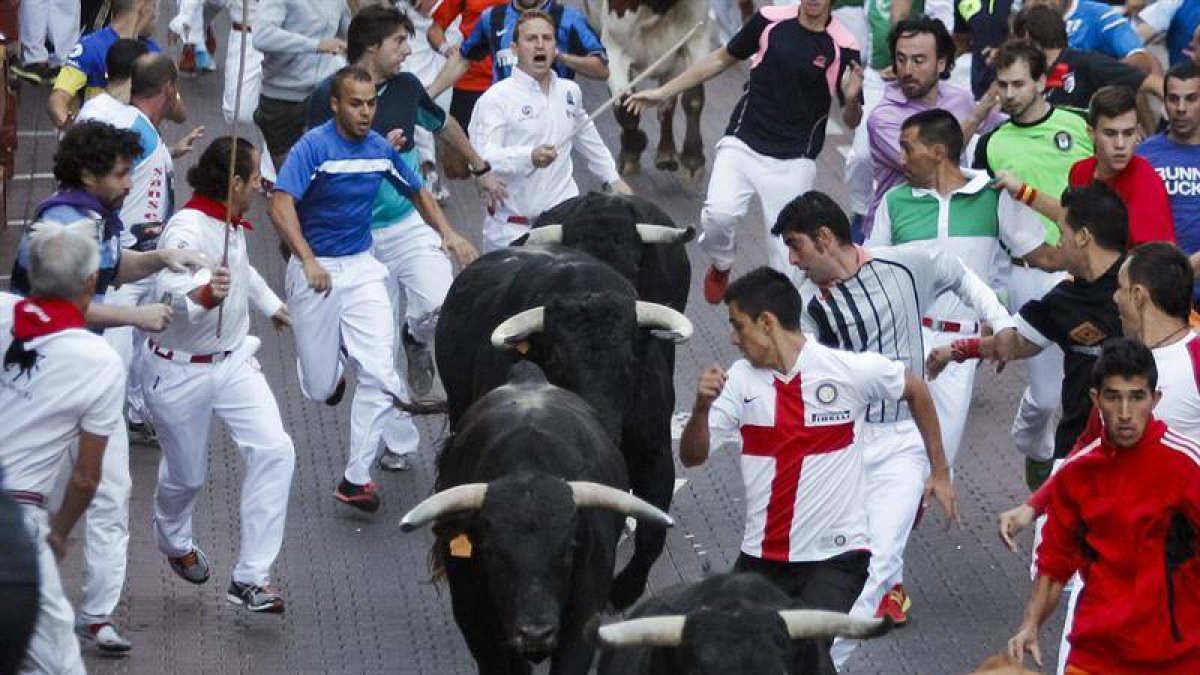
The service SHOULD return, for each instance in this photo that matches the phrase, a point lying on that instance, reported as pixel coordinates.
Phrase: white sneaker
(103, 633)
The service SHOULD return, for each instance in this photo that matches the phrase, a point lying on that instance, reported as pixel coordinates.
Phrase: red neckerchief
(215, 209)
(35, 317)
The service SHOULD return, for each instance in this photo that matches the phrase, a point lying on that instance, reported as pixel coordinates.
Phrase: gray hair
(62, 257)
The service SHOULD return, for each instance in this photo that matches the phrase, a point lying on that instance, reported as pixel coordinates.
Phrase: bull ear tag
(460, 546)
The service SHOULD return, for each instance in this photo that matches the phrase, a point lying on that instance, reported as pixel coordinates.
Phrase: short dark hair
(371, 26)
(938, 127)
(1184, 70)
(210, 175)
(810, 212)
(1109, 102)
(1019, 49)
(1166, 274)
(93, 147)
(767, 290)
(347, 73)
(526, 17)
(922, 23)
(1127, 358)
(118, 62)
(151, 72)
(1098, 209)
(1044, 26)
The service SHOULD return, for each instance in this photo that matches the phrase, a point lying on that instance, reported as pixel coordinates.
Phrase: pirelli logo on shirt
(836, 417)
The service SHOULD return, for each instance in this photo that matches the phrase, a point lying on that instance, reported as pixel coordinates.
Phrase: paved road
(358, 590)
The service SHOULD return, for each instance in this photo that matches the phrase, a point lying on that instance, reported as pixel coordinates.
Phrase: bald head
(151, 74)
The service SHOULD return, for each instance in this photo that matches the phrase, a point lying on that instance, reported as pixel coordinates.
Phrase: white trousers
(106, 531)
(183, 397)
(896, 468)
(498, 233)
(412, 253)
(951, 393)
(126, 340)
(251, 79)
(860, 171)
(53, 647)
(54, 19)
(1033, 427)
(738, 174)
(357, 316)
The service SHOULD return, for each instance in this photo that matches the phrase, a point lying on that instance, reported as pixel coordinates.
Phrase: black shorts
(462, 104)
(281, 122)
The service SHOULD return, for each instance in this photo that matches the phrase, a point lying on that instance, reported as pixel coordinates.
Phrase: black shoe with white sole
(255, 598)
(420, 363)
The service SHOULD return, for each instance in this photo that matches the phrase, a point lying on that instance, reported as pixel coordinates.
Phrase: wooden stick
(233, 150)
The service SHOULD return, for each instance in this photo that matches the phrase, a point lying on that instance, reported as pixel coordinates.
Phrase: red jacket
(1144, 195)
(1127, 520)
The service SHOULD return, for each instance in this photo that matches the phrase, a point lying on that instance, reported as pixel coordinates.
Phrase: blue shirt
(335, 181)
(574, 35)
(110, 251)
(1179, 167)
(1095, 26)
(90, 52)
(1179, 33)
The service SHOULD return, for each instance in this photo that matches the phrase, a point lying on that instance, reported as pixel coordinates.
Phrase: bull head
(648, 232)
(665, 323)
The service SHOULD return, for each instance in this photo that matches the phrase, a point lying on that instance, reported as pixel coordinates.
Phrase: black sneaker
(420, 364)
(361, 497)
(338, 393)
(34, 73)
(391, 461)
(255, 598)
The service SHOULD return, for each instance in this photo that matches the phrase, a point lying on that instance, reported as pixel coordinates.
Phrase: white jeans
(738, 174)
(951, 393)
(251, 79)
(53, 647)
(183, 397)
(1033, 427)
(860, 171)
(106, 531)
(896, 467)
(355, 315)
(412, 253)
(126, 340)
(55, 19)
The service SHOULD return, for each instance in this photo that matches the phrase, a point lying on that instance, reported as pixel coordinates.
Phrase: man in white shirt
(50, 411)
(525, 126)
(793, 404)
(204, 364)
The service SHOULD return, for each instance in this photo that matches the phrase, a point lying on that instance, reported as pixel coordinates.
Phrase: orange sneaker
(895, 605)
(715, 284)
(187, 60)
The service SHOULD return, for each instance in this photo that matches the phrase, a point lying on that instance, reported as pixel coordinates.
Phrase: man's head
(1181, 98)
(210, 176)
(1042, 25)
(1020, 78)
(1094, 220)
(1125, 390)
(535, 43)
(930, 140)
(378, 39)
(816, 10)
(922, 52)
(761, 304)
(1113, 126)
(1059, 6)
(1155, 276)
(97, 157)
(118, 63)
(154, 88)
(352, 99)
(63, 261)
(813, 227)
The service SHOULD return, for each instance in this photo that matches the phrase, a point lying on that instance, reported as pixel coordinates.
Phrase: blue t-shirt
(1179, 167)
(574, 35)
(335, 181)
(1179, 33)
(90, 52)
(1095, 26)
(110, 252)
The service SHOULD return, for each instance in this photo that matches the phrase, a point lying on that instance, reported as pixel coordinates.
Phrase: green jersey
(1041, 153)
(879, 20)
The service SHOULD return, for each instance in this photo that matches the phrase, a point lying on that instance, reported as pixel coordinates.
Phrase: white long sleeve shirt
(513, 117)
(193, 328)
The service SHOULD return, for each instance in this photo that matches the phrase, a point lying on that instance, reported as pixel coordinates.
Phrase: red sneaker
(895, 605)
(210, 40)
(361, 497)
(715, 283)
(187, 60)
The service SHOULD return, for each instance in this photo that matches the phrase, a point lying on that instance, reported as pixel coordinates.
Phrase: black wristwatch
(487, 166)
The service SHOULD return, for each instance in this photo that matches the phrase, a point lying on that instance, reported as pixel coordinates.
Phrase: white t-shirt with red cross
(805, 488)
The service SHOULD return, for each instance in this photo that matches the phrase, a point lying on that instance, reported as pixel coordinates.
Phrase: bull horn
(466, 497)
(653, 631)
(518, 327)
(548, 234)
(669, 324)
(662, 234)
(809, 623)
(603, 496)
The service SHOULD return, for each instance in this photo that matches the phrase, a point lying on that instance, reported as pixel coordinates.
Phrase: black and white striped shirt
(879, 309)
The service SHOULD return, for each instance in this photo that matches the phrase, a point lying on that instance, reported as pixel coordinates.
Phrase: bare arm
(1007, 345)
(1144, 62)
(698, 73)
(59, 106)
(920, 402)
(137, 265)
(1042, 603)
(589, 66)
(85, 476)
(695, 440)
(453, 69)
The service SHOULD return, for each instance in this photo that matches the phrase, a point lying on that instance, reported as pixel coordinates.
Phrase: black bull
(530, 505)
(589, 342)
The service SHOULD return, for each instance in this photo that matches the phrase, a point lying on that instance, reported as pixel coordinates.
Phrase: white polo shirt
(1179, 380)
(77, 383)
(805, 489)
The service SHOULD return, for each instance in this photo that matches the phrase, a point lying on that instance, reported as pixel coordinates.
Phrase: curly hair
(210, 176)
(93, 147)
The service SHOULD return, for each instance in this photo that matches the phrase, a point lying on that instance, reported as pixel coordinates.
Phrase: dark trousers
(832, 584)
(282, 124)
